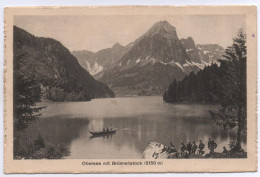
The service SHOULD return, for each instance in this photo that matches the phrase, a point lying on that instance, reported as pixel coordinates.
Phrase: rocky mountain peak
(162, 27)
(159, 44)
(188, 43)
(117, 45)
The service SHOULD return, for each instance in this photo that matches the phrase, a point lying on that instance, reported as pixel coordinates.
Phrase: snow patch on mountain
(199, 65)
(88, 65)
(153, 60)
(211, 56)
(188, 50)
(163, 63)
(198, 47)
(206, 52)
(183, 67)
(95, 69)
(205, 63)
(180, 66)
(186, 64)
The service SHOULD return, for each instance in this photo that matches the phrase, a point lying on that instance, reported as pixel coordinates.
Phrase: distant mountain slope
(193, 52)
(97, 63)
(57, 70)
(205, 54)
(213, 51)
(84, 58)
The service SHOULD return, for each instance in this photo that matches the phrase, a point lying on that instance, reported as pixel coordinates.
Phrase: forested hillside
(55, 69)
(201, 87)
(211, 84)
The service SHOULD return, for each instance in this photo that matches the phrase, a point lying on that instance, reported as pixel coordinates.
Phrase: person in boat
(194, 148)
(201, 147)
(111, 129)
(104, 129)
(107, 129)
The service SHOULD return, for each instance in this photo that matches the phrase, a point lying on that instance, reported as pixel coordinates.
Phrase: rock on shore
(156, 150)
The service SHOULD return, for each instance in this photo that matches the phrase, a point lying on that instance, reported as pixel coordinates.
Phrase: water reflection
(138, 121)
(134, 133)
(109, 136)
(55, 130)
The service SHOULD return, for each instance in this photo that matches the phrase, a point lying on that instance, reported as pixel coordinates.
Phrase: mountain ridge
(57, 70)
(158, 50)
(101, 60)
(203, 53)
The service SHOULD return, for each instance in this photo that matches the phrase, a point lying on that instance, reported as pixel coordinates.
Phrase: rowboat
(102, 133)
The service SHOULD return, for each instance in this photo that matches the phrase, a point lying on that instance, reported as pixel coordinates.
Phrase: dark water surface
(139, 120)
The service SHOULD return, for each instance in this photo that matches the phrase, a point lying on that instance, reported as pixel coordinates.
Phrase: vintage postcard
(127, 89)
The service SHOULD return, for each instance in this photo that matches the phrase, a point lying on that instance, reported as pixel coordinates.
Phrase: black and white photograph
(162, 86)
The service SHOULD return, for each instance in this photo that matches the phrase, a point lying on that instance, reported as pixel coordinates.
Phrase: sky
(96, 32)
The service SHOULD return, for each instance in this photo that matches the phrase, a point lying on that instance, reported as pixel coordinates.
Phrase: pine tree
(26, 93)
(232, 112)
(172, 91)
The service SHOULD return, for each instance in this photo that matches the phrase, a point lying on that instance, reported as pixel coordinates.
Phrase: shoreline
(155, 150)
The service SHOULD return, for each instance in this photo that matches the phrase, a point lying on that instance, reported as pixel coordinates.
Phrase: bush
(51, 152)
(37, 149)
(39, 142)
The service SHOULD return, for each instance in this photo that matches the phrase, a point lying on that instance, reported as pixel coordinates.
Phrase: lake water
(138, 120)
